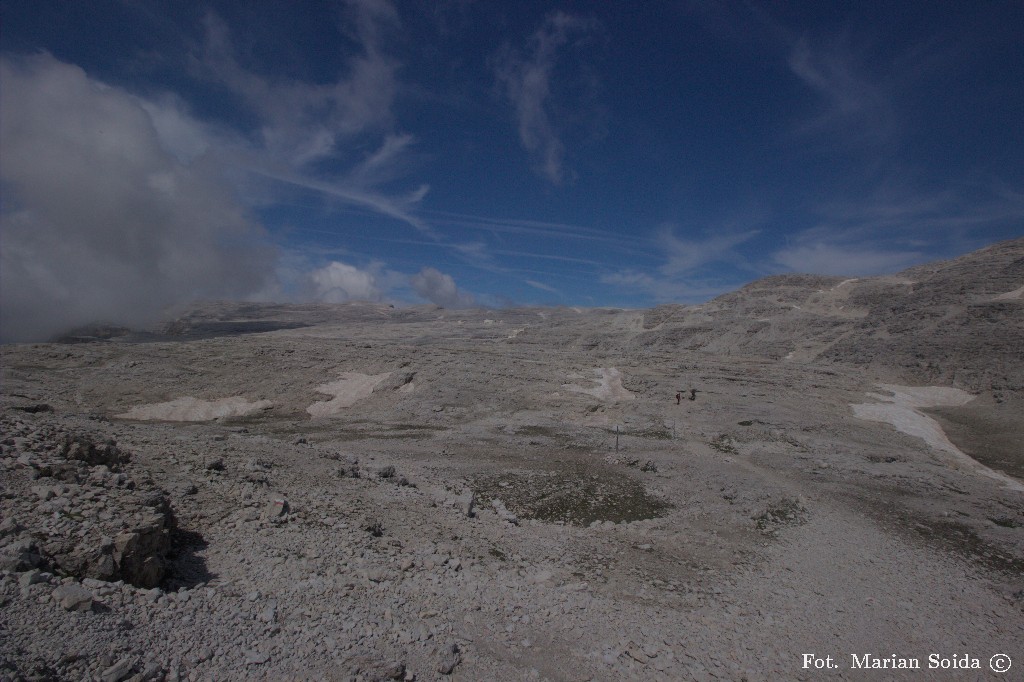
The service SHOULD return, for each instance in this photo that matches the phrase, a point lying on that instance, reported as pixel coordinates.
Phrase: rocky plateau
(808, 465)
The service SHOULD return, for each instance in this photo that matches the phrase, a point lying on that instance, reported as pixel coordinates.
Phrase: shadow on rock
(187, 566)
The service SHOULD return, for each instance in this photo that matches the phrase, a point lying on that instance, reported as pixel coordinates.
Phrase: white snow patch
(190, 409)
(1010, 295)
(347, 391)
(609, 385)
(900, 410)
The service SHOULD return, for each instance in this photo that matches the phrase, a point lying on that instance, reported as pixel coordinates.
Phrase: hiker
(693, 394)
(679, 397)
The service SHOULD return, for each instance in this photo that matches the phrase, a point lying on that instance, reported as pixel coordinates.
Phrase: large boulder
(141, 553)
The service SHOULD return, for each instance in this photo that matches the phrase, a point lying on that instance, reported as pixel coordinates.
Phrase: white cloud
(664, 289)
(179, 133)
(684, 277)
(527, 82)
(898, 205)
(439, 288)
(304, 122)
(473, 250)
(382, 165)
(338, 282)
(857, 113)
(686, 255)
(899, 224)
(399, 209)
(100, 221)
(543, 287)
(630, 278)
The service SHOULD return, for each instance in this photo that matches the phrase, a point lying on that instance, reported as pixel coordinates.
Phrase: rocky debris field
(73, 510)
(495, 495)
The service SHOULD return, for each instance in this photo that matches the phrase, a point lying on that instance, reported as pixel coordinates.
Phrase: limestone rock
(503, 512)
(73, 597)
(119, 671)
(448, 658)
(276, 507)
(466, 501)
(21, 555)
(84, 448)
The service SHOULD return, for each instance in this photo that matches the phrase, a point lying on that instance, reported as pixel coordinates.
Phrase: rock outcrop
(78, 512)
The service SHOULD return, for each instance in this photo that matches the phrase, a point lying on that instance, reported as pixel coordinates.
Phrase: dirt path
(840, 585)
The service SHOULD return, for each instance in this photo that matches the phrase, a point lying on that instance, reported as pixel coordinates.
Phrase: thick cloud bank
(339, 282)
(100, 221)
(440, 289)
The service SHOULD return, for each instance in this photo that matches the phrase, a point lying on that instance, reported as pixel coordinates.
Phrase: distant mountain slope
(957, 322)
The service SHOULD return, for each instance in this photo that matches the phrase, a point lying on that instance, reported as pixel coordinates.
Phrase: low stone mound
(82, 448)
(72, 511)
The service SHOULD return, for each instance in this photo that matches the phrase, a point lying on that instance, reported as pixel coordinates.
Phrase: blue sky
(482, 153)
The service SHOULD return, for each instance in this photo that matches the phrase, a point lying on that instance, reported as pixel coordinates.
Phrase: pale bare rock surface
(476, 505)
(609, 385)
(190, 409)
(902, 410)
(1016, 294)
(349, 389)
